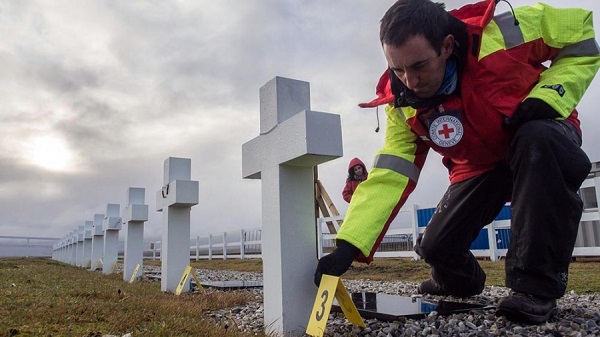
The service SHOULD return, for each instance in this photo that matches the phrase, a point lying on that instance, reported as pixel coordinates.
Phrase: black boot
(431, 287)
(526, 308)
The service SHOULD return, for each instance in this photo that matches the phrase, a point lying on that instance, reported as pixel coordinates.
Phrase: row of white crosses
(292, 141)
(96, 244)
(98, 241)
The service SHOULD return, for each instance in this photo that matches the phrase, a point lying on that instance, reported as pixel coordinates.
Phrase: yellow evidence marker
(330, 287)
(186, 273)
(113, 268)
(135, 271)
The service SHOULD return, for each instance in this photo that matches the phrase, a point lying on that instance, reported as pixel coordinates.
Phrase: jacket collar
(478, 14)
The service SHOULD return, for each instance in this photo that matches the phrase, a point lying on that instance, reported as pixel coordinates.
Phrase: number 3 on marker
(322, 306)
(324, 296)
(330, 287)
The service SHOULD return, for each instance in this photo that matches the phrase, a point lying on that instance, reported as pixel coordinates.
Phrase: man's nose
(411, 80)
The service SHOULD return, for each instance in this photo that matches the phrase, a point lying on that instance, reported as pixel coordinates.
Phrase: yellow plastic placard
(347, 305)
(184, 277)
(200, 288)
(95, 264)
(135, 271)
(113, 268)
(331, 287)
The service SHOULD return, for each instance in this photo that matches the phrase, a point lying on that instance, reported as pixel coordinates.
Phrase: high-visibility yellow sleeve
(572, 70)
(397, 164)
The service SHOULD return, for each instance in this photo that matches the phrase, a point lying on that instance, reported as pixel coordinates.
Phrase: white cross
(293, 139)
(111, 226)
(134, 215)
(87, 244)
(175, 201)
(79, 251)
(73, 249)
(97, 241)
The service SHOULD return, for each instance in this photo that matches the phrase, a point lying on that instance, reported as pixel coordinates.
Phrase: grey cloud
(55, 74)
(94, 124)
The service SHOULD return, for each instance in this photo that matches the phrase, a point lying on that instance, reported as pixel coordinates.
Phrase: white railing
(399, 239)
(403, 233)
(588, 237)
(242, 244)
(407, 230)
(246, 244)
(18, 246)
(397, 243)
(588, 227)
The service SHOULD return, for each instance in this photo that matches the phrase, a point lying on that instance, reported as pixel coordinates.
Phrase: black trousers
(546, 167)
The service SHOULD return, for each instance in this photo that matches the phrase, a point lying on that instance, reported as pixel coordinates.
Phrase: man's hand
(530, 109)
(337, 262)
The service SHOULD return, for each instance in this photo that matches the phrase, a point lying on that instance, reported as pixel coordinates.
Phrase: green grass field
(41, 297)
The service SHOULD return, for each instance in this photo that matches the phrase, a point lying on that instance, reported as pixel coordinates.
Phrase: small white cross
(175, 201)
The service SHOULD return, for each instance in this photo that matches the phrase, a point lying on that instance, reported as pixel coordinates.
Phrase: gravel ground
(578, 315)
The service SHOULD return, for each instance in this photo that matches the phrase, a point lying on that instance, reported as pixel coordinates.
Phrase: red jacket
(351, 182)
(491, 88)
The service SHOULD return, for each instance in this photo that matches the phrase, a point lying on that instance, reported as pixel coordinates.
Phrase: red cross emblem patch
(446, 131)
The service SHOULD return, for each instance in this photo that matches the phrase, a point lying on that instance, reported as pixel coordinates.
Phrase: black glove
(337, 262)
(530, 109)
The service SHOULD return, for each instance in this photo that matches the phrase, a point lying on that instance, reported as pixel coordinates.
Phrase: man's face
(418, 65)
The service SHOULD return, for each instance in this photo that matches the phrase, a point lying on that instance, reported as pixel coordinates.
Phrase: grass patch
(41, 297)
(247, 265)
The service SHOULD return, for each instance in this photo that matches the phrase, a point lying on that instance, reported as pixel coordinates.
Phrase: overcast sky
(95, 95)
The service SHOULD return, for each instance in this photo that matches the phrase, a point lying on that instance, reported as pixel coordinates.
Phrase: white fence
(19, 246)
(397, 243)
(403, 231)
(242, 244)
(496, 233)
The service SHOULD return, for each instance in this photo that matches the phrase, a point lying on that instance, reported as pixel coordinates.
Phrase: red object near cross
(446, 131)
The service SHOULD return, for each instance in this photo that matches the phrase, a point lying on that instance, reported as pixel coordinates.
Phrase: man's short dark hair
(408, 18)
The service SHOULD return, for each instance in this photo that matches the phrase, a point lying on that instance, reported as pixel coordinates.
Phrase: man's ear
(448, 45)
